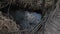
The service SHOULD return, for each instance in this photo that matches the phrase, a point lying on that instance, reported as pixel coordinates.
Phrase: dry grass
(7, 25)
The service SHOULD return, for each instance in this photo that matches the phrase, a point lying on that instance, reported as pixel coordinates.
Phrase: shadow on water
(25, 18)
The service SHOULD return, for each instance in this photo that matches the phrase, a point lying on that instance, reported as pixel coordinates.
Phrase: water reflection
(27, 19)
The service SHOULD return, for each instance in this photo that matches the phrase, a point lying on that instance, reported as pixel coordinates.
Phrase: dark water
(27, 19)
